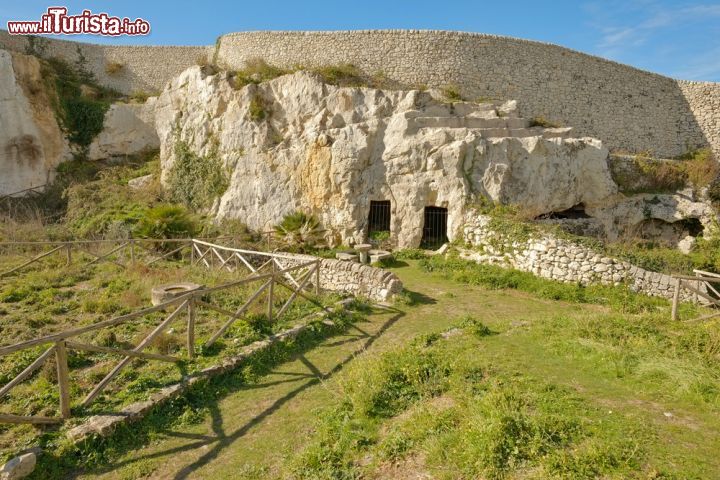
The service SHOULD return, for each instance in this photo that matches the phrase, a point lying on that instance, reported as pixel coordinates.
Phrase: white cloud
(659, 28)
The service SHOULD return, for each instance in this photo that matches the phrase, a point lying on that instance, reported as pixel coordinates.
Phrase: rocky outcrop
(128, 129)
(297, 143)
(31, 141)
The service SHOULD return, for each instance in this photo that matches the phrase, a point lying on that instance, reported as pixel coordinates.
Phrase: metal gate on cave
(434, 227)
(379, 217)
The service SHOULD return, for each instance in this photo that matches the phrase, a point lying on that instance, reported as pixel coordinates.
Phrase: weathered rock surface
(31, 142)
(331, 150)
(18, 467)
(128, 128)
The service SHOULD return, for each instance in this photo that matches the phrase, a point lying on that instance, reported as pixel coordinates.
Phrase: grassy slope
(253, 433)
(50, 297)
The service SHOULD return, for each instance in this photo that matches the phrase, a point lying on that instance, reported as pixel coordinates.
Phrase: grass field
(50, 297)
(522, 387)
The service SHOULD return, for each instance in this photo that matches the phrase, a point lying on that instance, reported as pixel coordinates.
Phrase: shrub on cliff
(194, 180)
(256, 71)
(80, 103)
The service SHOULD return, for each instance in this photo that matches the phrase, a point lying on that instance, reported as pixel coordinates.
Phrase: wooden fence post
(132, 252)
(68, 253)
(63, 375)
(192, 253)
(191, 328)
(317, 277)
(676, 299)
(271, 289)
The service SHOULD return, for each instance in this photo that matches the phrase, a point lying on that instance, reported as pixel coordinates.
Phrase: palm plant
(298, 231)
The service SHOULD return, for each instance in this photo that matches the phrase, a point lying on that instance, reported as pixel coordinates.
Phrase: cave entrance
(435, 227)
(575, 212)
(379, 219)
(692, 226)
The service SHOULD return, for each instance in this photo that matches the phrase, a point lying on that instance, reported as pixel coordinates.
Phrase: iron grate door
(379, 218)
(435, 227)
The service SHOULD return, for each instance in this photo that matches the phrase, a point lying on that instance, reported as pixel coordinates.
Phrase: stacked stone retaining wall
(560, 259)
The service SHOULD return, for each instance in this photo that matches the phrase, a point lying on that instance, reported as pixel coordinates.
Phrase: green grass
(619, 297)
(585, 388)
(578, 395)
(50, 297)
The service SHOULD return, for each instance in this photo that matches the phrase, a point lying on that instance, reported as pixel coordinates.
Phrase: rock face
(297, 143)
(31, 142)
(128, 128)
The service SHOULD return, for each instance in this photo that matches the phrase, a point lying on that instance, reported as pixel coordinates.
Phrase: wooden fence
(122, 253)
(694, 284)
(268, 274)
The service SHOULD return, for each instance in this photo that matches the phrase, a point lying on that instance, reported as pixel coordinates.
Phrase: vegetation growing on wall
(541, 121)
(513, 225)
(80, 103)
(195, 180)
(256, 109)
(452, 93)
(645, 174)
(257, 71)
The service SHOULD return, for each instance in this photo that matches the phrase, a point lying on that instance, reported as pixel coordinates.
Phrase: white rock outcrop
(297, 143)
(128, 129)
(31, 142)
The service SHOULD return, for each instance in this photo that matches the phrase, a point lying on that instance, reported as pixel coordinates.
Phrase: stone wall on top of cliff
(628, 108)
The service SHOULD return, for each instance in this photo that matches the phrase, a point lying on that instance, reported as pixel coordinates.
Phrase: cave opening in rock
(573, 213)
(434, 227)
(668, 233)
(692, 226)
(379, 217)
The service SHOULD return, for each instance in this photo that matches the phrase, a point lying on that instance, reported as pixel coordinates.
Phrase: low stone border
(359, 280)
(547, 256)
(105, 425)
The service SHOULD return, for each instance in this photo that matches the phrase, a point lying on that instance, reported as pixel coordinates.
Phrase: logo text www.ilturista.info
(56, 21)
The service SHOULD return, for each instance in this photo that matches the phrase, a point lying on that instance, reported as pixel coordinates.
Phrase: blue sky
(676, 38)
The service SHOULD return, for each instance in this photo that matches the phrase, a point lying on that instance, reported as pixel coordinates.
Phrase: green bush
(541, 121)
(256, 71)
(166, 221)
(80, 103)
(409, 254)
(343, 75)
(452, 93)
(298, 231)
(257, 109)
(194, 180)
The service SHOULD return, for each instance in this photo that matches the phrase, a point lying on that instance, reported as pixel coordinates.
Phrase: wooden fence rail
(268, 274)
(123, 253)
(695, 284)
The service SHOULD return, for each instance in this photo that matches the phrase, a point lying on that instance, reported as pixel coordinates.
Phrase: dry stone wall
(559, 259)
(360, 280)
(144, 68)
(704, 100)
(627, 108)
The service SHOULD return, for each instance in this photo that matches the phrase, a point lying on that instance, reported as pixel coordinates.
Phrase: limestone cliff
(298, 143)
(31, 141)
